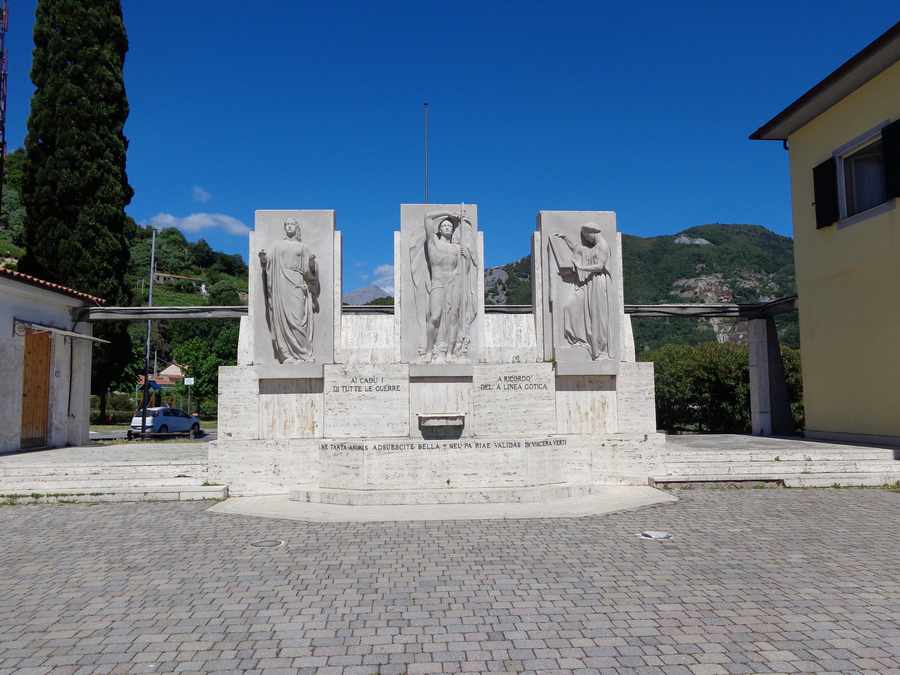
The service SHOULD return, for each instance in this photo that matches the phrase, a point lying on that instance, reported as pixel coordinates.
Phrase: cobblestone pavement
(753, 581)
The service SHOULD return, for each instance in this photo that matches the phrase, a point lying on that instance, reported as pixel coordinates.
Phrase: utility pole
(149, 327)
(425, 110)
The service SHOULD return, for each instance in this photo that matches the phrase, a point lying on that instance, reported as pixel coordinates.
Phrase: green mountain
(707, 263)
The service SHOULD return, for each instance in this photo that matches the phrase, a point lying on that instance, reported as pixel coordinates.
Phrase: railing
(696, 310)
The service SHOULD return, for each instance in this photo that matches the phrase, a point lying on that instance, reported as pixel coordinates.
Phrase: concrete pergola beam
(769, 405)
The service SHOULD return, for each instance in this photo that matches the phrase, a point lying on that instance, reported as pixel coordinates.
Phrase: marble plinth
(439, 402)
(486, 468)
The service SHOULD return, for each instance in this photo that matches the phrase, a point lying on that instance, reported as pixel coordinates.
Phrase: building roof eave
(35, 282)
(874, 58)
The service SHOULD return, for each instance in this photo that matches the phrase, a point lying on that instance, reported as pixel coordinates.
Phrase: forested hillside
(707, 263)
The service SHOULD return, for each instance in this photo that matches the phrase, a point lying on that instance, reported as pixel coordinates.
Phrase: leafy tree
(74, 184)
(224, 293)
(202, 254)
(203, 357)
(386, 300)
(172, 252)
(230, 264)
(12, 212)
(706, 387)
(703, 387)
(722, 384)
(792, 374)
(676, 408)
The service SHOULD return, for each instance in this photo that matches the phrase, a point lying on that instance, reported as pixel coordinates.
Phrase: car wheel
(163, 429)
(195, 431)
(129, 435)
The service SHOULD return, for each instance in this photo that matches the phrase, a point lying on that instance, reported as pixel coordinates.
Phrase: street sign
(188, 381)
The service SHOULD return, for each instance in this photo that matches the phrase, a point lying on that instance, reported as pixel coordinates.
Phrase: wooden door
(36, 389)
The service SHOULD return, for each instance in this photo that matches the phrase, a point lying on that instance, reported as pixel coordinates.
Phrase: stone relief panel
(292, 303)
(582, 291)
(441, 264)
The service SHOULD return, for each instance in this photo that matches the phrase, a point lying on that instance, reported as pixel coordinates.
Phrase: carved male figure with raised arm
(451, 285)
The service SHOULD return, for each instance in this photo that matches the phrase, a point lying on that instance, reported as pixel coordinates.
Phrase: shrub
(706, 387)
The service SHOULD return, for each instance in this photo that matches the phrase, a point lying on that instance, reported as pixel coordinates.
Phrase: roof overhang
(876, 57)
(22, 280)
(20, 327)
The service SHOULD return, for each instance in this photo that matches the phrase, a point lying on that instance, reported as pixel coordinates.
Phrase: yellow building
(843, 137)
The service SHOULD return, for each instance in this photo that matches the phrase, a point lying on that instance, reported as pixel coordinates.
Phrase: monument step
(123, 470)
(780, 468)
(847, 479)
(821, 479)
(42, 483)
(486, 495)
(679, 455)
(107, 493)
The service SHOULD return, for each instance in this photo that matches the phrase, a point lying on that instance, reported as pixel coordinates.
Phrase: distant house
(171, 279)
(45, 363)
(843, 136)
(168, 377)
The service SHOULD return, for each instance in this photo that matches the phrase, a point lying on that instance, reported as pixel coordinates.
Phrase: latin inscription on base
(363, 400)
(398, 447)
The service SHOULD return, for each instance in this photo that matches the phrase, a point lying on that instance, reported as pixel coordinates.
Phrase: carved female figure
(449, 271)
(291, 289)
(587, 308)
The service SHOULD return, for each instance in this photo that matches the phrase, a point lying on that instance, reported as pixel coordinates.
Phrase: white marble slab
(636, 397)
(366, 400)
(586, 404)
(514, 398)
(291, 408)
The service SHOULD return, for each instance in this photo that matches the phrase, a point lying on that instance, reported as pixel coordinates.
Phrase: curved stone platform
(604, 500)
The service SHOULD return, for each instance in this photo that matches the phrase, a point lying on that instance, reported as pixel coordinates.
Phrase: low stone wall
(405, 470)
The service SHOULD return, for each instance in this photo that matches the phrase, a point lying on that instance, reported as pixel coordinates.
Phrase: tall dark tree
(75, 187)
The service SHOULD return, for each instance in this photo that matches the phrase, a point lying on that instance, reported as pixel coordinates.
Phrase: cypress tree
(75, 187)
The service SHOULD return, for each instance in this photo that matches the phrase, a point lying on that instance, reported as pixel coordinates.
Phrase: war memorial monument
(439, 402)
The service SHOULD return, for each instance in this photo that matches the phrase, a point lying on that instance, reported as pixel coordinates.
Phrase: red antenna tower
(4, 25)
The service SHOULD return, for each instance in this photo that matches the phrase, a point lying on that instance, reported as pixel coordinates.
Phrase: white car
(165, 420)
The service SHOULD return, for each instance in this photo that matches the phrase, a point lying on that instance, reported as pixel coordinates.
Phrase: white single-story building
(45, 364)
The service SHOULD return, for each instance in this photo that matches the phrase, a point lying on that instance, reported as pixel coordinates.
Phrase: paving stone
(753, 581)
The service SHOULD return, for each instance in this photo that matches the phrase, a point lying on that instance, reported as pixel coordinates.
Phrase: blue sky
(640, 108)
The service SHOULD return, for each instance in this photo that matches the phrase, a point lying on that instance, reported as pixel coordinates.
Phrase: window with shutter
(864, 181)
(890, 141)
(826, 193)
(861, 179)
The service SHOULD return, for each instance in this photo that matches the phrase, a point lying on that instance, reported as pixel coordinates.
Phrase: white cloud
(383, 277)
(201, 221)
(200, 195)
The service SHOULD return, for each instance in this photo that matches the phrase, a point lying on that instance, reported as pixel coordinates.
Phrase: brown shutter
(890, 140)
(826, 194)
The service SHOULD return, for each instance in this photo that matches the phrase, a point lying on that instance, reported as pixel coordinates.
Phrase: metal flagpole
(425, 110)
(147, 343)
